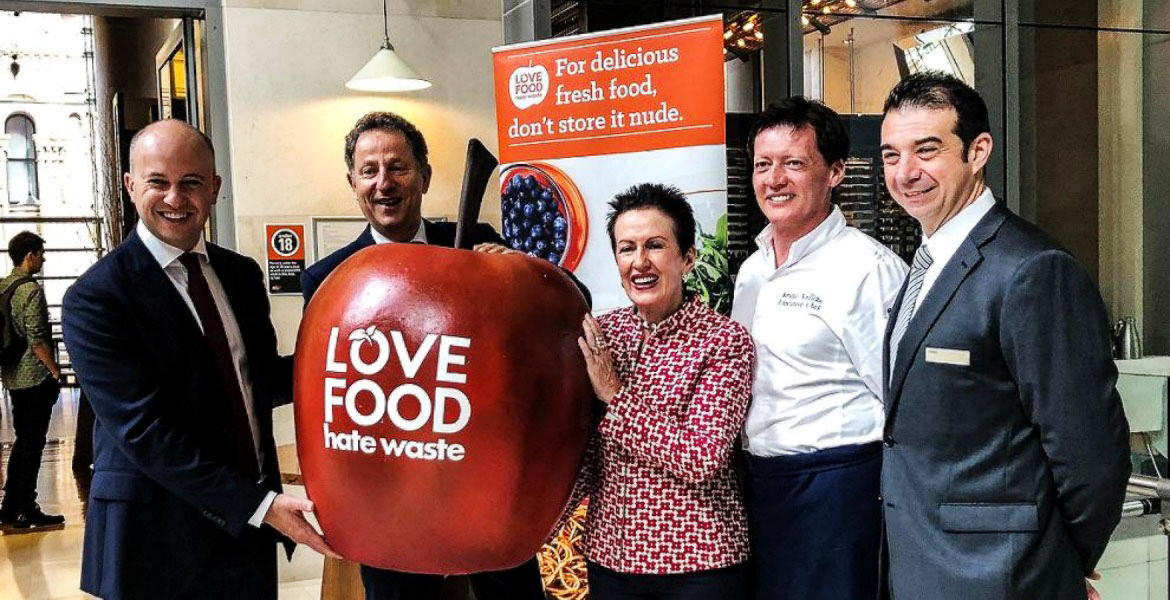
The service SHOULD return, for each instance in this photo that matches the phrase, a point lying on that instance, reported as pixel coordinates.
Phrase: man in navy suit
(1006, 450)
(171, 340)
(388, 170)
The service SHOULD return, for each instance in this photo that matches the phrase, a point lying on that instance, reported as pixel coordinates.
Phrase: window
(945, 49)
(22, 160)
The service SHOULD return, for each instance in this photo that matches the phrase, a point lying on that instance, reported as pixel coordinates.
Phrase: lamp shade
(386, 72)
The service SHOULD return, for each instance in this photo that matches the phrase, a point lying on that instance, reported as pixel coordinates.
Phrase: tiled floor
(44, 566)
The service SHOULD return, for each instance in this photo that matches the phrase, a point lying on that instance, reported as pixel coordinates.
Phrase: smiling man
(387, 168)
(815, 297)
(388, 171)
(1006, 450)
(171, 340)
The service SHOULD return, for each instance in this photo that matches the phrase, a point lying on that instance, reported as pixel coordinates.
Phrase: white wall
(289, 110)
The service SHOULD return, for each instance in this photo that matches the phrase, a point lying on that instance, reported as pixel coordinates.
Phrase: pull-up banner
(582, 118)
(642, 89)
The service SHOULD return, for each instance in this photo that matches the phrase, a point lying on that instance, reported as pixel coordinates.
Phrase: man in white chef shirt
(816, 296)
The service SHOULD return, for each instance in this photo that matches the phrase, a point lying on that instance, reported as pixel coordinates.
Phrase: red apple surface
(442, 406)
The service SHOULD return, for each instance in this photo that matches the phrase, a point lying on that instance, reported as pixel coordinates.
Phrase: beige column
(1120, 166)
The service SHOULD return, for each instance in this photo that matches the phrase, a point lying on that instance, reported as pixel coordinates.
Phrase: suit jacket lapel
(890, 322)
(225, 271)
(234, 278)
(954, 273)
(438, 235)
(155, 294)
(365, 239)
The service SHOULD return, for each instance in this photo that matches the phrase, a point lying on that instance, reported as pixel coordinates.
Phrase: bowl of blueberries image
(543, 213)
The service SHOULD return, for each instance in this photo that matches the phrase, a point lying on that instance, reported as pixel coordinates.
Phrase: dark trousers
(717, 584)
(243, 567)
(815, 522)
(31, 409)
(518, 583)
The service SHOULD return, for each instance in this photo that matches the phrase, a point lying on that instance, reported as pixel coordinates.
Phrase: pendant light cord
(386, 26)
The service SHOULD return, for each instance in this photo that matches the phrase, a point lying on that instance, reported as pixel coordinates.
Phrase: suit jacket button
(889, 442)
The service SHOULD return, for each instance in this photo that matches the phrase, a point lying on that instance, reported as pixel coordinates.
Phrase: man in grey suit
(1006, 453)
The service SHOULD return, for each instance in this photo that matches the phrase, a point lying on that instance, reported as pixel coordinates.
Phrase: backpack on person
(12, 344)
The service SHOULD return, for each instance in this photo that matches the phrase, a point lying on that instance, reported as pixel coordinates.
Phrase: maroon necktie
(221, 351)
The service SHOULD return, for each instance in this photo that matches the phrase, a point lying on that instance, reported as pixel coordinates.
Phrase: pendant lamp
(386, 72)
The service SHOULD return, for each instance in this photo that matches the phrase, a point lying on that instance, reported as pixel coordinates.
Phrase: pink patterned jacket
(663, 497)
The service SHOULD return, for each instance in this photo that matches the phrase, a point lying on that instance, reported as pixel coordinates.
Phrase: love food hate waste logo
(528, 86)
(366, 403)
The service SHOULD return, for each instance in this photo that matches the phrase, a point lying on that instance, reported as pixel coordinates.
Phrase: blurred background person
(33, 382)
(666, 517)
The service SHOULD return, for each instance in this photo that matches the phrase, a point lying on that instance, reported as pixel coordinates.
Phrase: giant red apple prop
(442, 406)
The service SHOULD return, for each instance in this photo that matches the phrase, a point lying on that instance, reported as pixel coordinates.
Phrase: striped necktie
(922, 262)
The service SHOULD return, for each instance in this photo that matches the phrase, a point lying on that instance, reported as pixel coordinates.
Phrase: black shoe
(34, 518)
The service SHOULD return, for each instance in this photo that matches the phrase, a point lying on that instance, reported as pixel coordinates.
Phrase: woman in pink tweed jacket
(666, 515)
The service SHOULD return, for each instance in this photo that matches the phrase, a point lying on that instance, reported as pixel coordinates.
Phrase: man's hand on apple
(494, 249)
(286, 515)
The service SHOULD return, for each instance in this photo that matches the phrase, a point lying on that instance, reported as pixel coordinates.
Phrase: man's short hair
(939, 91)
(199, 134)
(390, 123)
(22, 244)
(666, 199)
(799, 112)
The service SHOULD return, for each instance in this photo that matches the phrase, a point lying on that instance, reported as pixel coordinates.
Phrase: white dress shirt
(168, 258)
(818, 322)
(946, 240)
(420, 236)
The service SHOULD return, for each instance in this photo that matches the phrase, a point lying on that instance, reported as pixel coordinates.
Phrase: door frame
(215, 107)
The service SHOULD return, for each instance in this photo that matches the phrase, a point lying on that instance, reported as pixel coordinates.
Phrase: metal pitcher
(1127, 342)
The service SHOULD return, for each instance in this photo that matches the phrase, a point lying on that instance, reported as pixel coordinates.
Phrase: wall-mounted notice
(286, 257)
(583, 118)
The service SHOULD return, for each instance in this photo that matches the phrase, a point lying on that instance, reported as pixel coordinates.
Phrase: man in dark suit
(171, 340)
(388, 170)
(1006, 453)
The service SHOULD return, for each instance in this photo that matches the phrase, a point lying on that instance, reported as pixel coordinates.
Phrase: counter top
(1150, 365)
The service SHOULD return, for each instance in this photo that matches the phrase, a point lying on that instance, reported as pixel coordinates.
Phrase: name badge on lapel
(948, 356)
